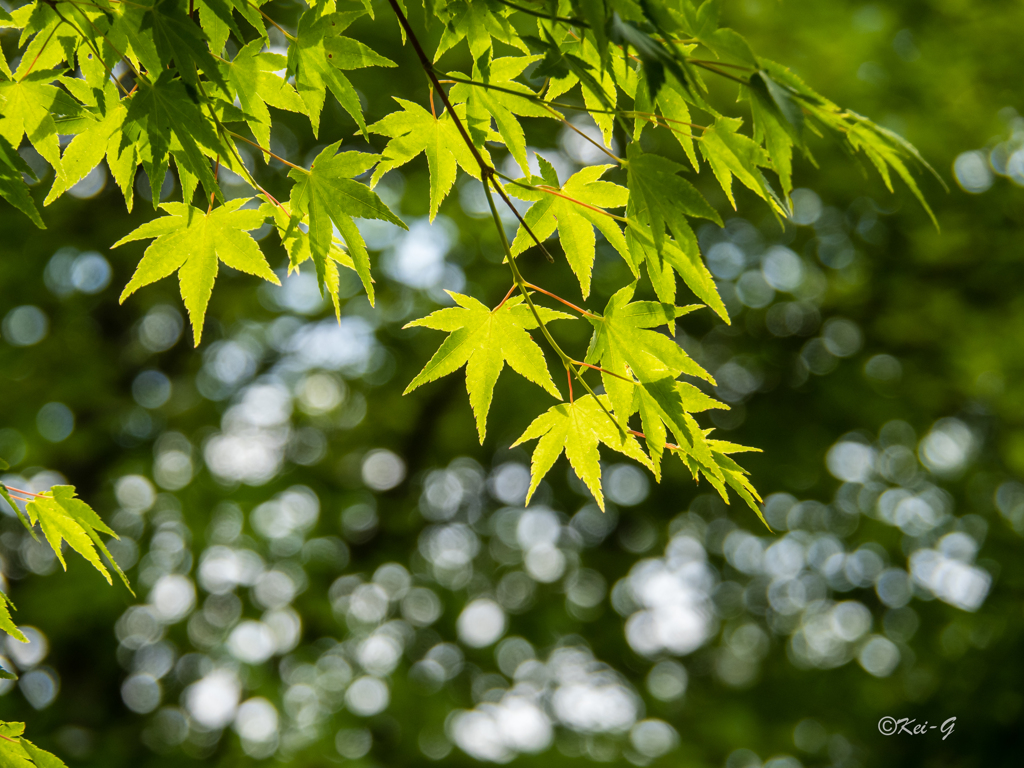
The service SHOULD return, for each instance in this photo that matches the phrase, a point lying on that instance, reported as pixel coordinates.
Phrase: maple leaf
(575, 222)
(63, 517)
(683, 256)
(327, 194)
(477, 22)
(296, 242)
(486, 104)
(317, 57)
(191, 241)
(12, 184)
(662, 198)
(732, 154)
(88, 149)
(178, 39)
(253, 80)
(7, 625)
(484, 340)
(413, 131)
(161, 112)
(640, 369)
(28, 107)
(18, 752)
(577, 428)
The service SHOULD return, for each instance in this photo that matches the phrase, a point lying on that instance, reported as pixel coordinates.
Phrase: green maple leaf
(63, 517)
(12, 184)
(477, 23)
(18, 752)
(317, 57)
(486, 104)
(178, 39)
(732, 154)
(88, 149)
(575, 222)
(7, 625)
(296, 242)
(671, 102)
(191, 242)
(577, 428)
(640, 367)
(662, 198)
(28, 107)
(484, 340)
(327, 194)
(161, 113)
(414, 130)
(253, 79)
(682, 256)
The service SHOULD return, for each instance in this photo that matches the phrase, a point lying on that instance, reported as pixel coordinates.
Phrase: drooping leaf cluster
(158, 83)
(62, 518)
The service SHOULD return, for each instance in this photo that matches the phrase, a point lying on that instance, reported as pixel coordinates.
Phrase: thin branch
(604, 370)
(570, 305)
(12, 489)
(507, 296)
(588, 138)
(549, 17)
(721, 64)
(718, 72)
(568, 376)
(89, 42)
(670, 446)
(280, 29)
(267, 151)
(558, 193)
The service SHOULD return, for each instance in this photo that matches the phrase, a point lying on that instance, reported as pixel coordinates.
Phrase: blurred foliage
(874, 361)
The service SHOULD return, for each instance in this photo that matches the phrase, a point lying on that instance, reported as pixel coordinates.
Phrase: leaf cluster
(158, 83)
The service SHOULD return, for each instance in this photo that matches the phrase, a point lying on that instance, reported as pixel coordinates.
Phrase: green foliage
(18, 752)
(191, 243)
(62, 518)
(200, 82)
(577, 428)
(484, 341)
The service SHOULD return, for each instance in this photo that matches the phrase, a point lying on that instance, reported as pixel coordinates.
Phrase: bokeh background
(330, 572)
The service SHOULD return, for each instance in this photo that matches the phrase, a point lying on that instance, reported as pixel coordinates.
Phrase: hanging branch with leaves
(156, 84)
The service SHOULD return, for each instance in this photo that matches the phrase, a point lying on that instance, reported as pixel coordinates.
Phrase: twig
(507, 297)
(570, 305)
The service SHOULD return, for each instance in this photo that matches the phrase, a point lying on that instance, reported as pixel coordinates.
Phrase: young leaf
(577, 428)
(317, 57)
(327, 193)
(486, 104)
(477, 22)
(484, 340)
(575, 212)
(414, 130)
(253, 79)
(296, 242)
(732, 154)
(28, 108)
(66, 518)
(7, 622)
(162, 112)
(625, 347)
(179, 41)
(662, 198)
(13, 188)
(190, 241)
